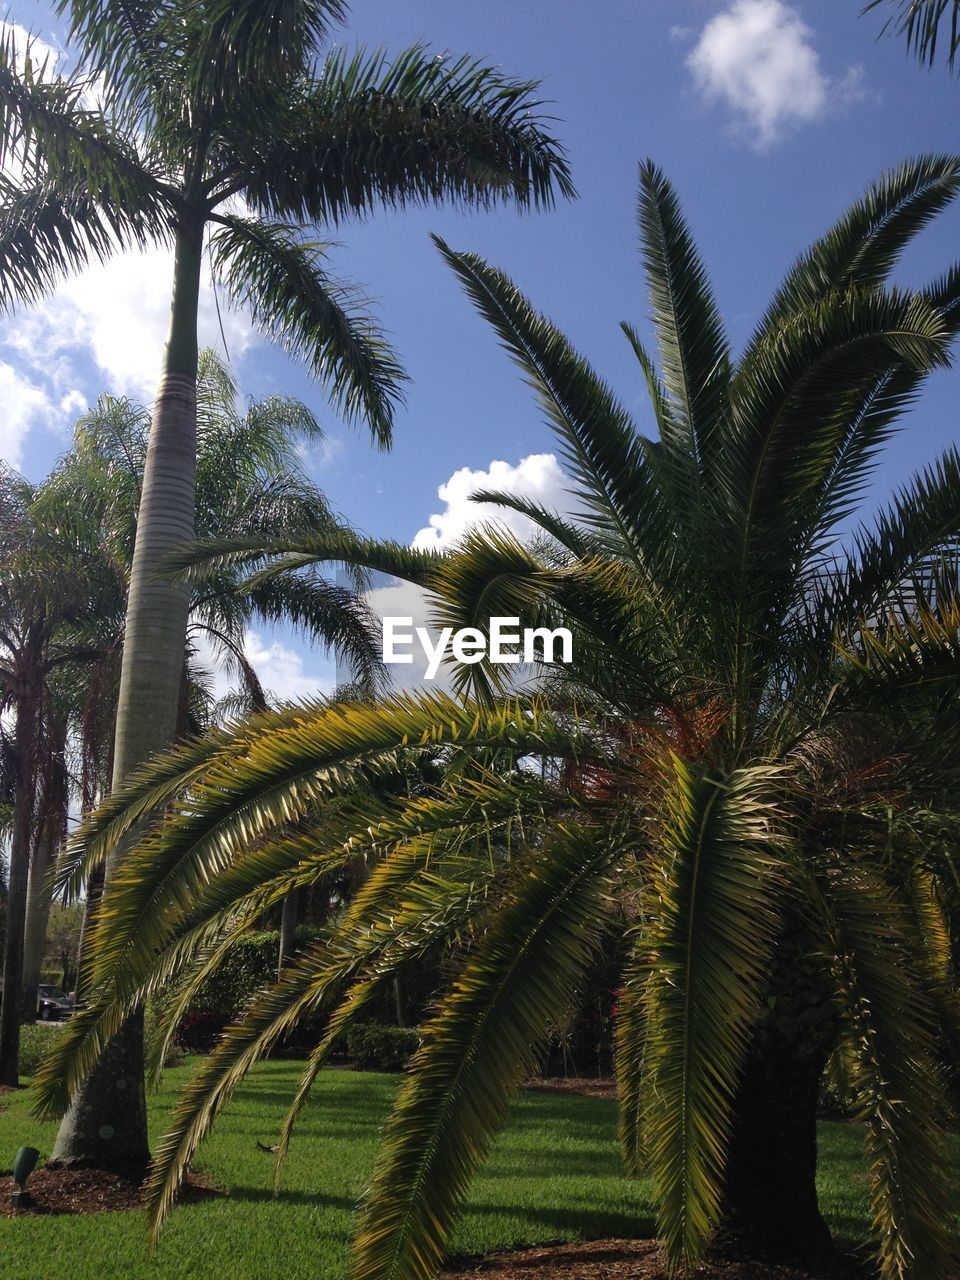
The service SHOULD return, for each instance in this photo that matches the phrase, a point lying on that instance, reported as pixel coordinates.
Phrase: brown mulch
(583, 1086)
(627, 1260)
(56, 1191)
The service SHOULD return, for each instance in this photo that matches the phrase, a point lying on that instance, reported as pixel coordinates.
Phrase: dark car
(52, 1003)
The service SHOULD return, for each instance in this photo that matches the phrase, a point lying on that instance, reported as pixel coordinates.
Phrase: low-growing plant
(378, 1048)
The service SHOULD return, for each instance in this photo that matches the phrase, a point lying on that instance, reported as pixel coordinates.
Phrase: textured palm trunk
(106, 1125)
(771, 1207)
(35, 924)
(28, 706)
(51, 822)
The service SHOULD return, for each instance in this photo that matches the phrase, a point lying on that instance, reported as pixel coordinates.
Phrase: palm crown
(177, 113)
(749, 764)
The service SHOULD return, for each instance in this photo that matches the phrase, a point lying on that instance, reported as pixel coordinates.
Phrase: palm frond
(889, 1033)
(282, 280)
(860, 251)
(599, 441)
(630, 1040)
(477, 1049)
(923, 23)
(418, 128)
(694, 356)
(717, 888)
(48, 230)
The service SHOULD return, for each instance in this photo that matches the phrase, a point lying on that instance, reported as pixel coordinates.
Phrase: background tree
(75, 569)
(754, 751)
(218, 124)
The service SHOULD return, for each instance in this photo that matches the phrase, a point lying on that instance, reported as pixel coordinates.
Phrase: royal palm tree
(926, 24)
(219, 125)
(753, 753)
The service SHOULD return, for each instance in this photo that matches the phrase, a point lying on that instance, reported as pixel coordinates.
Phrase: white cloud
(282, 671)
(758, 58)
(25, 406)
(538, 477)
(116, 313)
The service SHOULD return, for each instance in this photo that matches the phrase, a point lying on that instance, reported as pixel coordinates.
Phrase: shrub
(381, 1048)
(34, 1041)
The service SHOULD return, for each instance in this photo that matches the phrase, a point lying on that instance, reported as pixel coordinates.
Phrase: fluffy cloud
(537, 477)
(757, 58)
(115, 313)
(25, 406)
(283, 671)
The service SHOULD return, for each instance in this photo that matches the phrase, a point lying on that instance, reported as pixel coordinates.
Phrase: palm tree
(924, 23)
(215, 123)
(74, 570)
(752, 754)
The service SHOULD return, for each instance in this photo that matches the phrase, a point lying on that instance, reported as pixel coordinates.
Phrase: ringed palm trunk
(771, 1207)
(106, 1125)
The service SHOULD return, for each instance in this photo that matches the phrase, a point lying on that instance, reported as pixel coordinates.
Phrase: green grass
(554, 1175)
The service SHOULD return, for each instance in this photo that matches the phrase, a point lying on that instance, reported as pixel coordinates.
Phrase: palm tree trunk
(106, 1124)
(25, 737)
(51, 824)
(771, 1207)
(35, 925)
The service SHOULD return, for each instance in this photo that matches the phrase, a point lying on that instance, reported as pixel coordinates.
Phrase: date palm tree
(753, 754)
(220, 125)
(927, 26)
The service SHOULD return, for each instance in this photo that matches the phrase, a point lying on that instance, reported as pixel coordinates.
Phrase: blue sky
(770, 117)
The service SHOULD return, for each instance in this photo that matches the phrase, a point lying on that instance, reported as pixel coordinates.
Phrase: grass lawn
(554, 1175)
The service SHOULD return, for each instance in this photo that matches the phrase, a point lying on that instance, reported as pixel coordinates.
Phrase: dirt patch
(56, 1191)
(583, 1086)
(629, 1260)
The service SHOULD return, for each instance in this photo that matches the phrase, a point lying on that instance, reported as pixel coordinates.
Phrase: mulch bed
(56, 1191)
(628, 1260)
(582, 1086)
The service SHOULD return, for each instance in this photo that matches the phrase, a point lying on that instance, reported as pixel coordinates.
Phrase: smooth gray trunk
(106, 1125)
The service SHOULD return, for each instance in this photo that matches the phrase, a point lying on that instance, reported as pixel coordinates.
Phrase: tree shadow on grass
(592, 1224)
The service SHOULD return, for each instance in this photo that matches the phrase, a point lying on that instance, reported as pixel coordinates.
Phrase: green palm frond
(240, 45)
(924, 23)
(404, 908)
(630, 1055)
(860, 251)
(898, 655)
(304, 550)
(282, 280)
(133, 47)
(599, 441)
(414, 129)
(889, 1033)
(48, 230)
(240, 796)
(919, 530)
(717, 887)
(478, 1047)
(694, 356)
